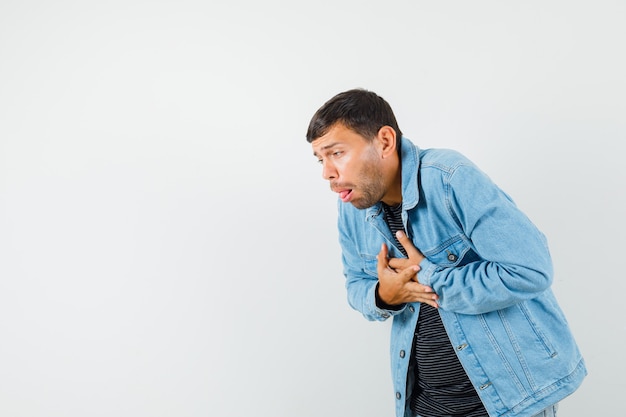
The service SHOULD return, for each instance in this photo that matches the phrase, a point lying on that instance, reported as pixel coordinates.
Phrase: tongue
(344, 194)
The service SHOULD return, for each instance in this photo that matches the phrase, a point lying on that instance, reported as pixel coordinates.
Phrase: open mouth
(345, 195)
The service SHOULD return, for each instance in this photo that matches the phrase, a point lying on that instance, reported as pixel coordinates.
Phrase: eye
(337, 154)
(320, 161)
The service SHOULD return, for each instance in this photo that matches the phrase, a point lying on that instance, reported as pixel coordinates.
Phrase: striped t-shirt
(442, 388)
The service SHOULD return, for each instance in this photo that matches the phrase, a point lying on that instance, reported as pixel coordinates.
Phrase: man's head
(352, 138)
(360, 110)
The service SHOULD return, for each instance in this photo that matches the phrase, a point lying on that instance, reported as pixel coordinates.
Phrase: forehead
(337, 135)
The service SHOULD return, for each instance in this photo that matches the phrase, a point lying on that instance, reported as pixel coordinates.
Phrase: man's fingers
(406, 242)
(409, 273)
(399, 263)
(417, 288)
(424, 294)
(382, 256)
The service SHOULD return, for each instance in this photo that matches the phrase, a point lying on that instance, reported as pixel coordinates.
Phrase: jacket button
(452, 257)
(402, 353)
(412, 309)
(398, 395)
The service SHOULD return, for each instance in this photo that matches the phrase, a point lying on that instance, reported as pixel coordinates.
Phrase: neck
(393, 197)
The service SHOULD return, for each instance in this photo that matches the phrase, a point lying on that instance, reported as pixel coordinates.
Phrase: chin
(362, 205)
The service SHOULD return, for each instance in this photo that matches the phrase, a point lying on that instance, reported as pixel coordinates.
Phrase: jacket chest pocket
(454, 252)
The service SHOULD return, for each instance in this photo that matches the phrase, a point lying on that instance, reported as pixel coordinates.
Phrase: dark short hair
(363, 111)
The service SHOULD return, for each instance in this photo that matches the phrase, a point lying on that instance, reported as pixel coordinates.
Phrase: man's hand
(415, 256)
(399, 285)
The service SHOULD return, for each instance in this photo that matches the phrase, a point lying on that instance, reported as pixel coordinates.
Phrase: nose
(329, 172)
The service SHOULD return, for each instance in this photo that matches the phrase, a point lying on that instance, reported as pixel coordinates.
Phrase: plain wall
(167, 244)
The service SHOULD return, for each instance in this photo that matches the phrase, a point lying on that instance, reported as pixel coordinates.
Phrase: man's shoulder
(443, 158)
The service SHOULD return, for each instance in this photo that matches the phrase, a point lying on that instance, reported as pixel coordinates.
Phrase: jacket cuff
(426, 272)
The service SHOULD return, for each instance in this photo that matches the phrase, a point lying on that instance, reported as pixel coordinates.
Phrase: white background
(167, 244)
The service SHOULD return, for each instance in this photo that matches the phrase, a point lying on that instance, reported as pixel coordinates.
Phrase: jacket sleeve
(515, 263)
(360, 273)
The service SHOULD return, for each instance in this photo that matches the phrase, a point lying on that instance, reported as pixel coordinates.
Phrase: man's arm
(515, 262)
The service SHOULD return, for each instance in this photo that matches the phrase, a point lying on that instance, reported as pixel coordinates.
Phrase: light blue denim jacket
(492, 271)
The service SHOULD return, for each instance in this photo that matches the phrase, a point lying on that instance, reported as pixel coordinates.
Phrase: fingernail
(399, 234)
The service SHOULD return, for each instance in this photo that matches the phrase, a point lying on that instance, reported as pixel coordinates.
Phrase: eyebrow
(323, 148)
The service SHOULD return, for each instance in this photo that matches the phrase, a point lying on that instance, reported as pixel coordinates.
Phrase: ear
(387, 141)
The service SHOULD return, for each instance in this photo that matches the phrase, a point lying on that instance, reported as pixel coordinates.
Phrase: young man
(429, 240)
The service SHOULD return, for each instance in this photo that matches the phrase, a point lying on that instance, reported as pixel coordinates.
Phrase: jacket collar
(410, 163)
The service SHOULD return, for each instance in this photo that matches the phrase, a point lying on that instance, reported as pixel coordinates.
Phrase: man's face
(352, 164)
